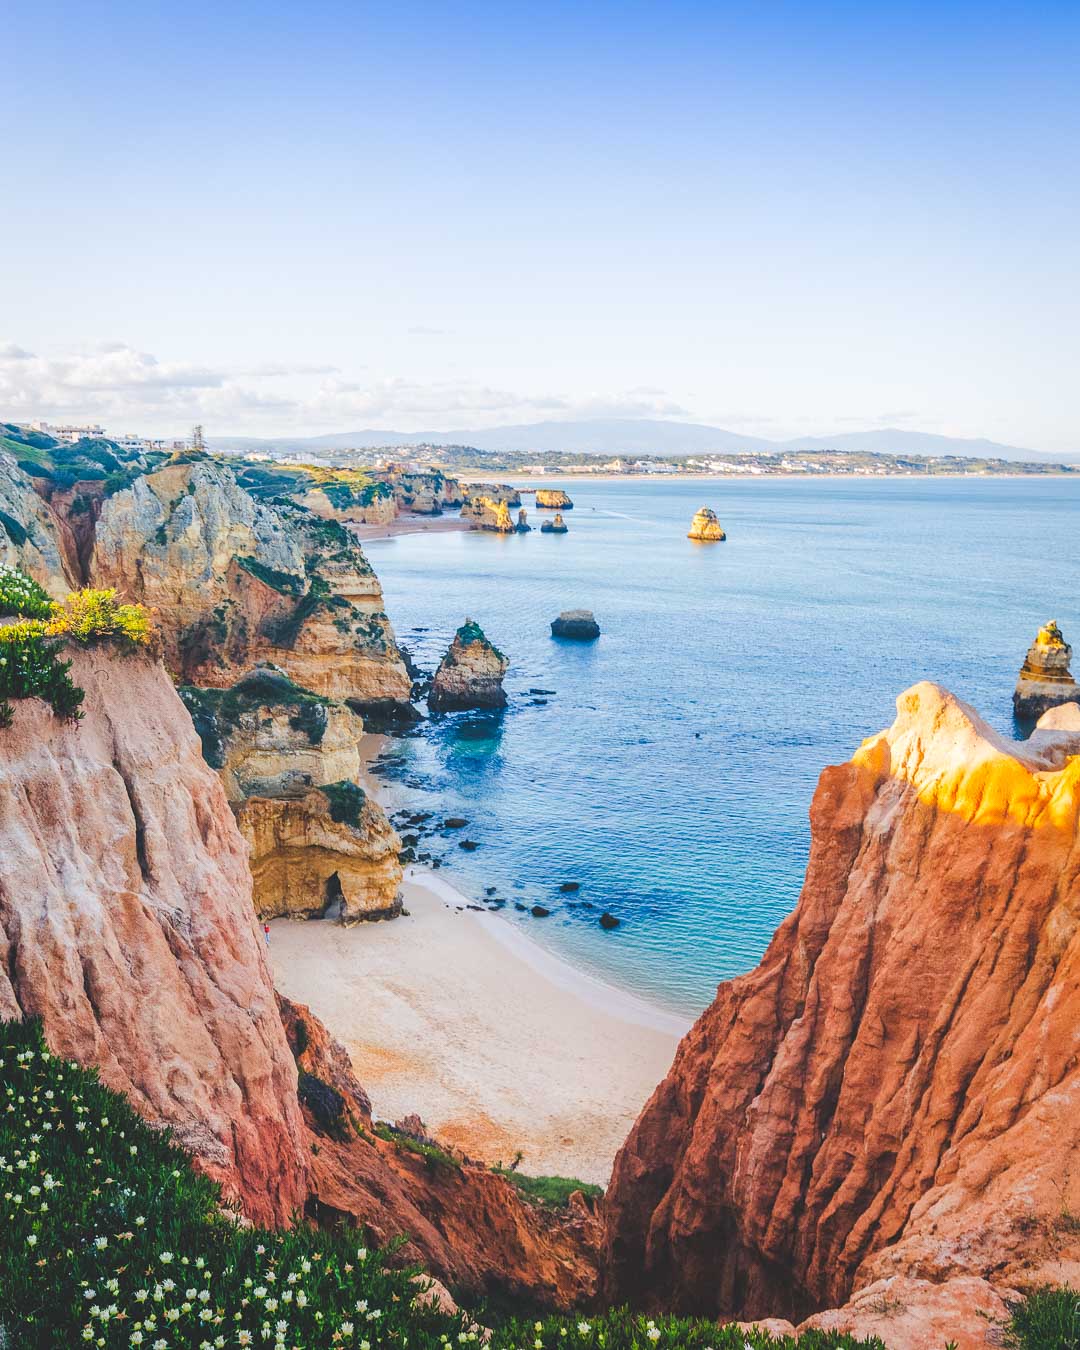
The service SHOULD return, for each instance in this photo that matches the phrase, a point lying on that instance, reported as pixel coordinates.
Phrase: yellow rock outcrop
(705, 527)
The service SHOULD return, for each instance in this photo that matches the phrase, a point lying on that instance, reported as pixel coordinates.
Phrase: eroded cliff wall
(895, 1090)
(126, 924)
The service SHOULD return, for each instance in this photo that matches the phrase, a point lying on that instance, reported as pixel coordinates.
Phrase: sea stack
(556, 526)
(1045, 680)
(470, 675)
(578, 624)
(521, 527)
(705, 527)
(553, 499)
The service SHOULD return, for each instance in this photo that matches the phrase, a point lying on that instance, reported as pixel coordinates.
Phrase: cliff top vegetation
(111, 1239)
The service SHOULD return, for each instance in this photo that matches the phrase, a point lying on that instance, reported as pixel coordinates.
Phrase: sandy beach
(499, 1046)
(409, 524)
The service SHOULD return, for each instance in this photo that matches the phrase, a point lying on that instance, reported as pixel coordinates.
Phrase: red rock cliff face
(895, 1090)
(126, 924)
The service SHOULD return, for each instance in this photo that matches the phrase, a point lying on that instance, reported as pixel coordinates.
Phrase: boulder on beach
(705, 527)
(579, 624)
(555, 526)
(1045, 680)
(470, 675)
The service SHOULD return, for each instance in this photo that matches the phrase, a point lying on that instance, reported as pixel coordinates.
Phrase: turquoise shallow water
(672, 770)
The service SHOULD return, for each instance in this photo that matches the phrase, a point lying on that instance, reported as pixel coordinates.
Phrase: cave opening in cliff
(333, 898)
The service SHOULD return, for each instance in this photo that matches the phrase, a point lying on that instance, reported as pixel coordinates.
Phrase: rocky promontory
(553, 499)
(471, 673)
(554, 526)
(578, 624)
(705, 527)
(487, 513)
(889, 1099)
(1045, 680)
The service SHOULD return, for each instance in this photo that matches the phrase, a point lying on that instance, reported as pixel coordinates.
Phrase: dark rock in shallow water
(609, 920)
(542, 691)
(454, 823)
(569, 887)
(578, 624)
(518, 905)
(469, 845)
(490, 890)
(539, 912)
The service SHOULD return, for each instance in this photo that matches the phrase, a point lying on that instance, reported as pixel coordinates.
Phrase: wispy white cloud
(126, 388)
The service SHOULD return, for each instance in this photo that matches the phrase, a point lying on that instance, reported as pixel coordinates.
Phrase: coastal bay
(498, 1045)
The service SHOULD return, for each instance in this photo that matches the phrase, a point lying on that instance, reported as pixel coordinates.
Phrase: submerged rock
(471, 673)
(609, 920)
(553, 499)
(705, 527)
(556, 526)
(576, 623)
(1045, 681)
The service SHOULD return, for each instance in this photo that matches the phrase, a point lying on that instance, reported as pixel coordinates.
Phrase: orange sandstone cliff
(883, 1118)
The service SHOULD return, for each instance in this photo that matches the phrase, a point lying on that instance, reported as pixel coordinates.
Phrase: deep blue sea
(671, 771)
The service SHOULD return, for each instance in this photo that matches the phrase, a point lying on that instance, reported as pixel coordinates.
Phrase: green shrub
(217, 712)
(431, 1153)
(89, 616)
(107, 1227)
(22, 597)
(30, 667)
(554, 1191)
(346, 802)
(1048, 1319)
(285, 583)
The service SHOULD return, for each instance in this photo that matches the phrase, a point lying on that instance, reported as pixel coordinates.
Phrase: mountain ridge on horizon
(621, 436)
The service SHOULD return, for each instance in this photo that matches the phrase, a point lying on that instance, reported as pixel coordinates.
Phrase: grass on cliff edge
(111, 1239)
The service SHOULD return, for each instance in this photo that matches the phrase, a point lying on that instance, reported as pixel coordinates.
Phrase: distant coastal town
(466, 459)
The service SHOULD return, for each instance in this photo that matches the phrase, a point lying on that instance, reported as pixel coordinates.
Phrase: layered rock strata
(289, 760)
(239, 582)
(1045, 680)
(471, 673)
(705, 527)
(894, 1093)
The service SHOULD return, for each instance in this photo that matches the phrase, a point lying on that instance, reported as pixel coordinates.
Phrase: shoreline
(409, 524)
(452, 1013)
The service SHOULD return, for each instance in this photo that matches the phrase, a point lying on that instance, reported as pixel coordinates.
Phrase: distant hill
(640, 436)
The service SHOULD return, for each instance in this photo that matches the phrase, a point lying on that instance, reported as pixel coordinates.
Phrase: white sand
(496, 1044)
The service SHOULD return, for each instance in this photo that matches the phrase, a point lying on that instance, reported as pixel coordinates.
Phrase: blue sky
(782, 218)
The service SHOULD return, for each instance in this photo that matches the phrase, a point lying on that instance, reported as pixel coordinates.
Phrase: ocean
(671, 769)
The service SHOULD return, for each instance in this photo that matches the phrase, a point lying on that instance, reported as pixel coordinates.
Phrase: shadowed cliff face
(896, 1088)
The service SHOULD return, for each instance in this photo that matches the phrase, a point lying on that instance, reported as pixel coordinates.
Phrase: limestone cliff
(238, 582)
(1045, 680)
(289, 761)
(553, 499)
(31, 536)
(471, 673)
(426, 491)
(488, 513)
(126, 924)
(894, 1093)
(705, 527)
(329, 854)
